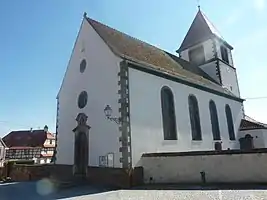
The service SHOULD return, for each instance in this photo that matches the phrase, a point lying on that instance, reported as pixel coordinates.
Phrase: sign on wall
(107, 160)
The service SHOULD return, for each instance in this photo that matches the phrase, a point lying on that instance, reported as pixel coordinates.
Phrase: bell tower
(204, 47)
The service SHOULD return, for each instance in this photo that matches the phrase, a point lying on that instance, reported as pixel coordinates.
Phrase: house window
(224, 54)
(230, 123)
(50, 141)
(168, 114)
(194, 118)
(214, 121)
(197, 56)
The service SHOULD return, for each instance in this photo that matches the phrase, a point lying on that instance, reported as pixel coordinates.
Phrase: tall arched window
(230, 123)
(168, 114)
(214, 121)
(194, 118)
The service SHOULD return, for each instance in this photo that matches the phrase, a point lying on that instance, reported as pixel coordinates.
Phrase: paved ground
(44, 191)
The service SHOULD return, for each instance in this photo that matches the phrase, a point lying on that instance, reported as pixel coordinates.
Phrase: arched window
(214, 121)
(194, 118)
(230, 123)
(168, 114)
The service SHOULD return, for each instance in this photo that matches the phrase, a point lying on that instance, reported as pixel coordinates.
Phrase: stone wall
(210, 166)
(137, 176)
(21, 172)
(114, 177)
(1, 172)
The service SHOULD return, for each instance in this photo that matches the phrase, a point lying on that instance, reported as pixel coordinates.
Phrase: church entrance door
(81, 154)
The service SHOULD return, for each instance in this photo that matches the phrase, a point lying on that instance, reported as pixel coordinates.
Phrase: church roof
(200, 30)
(155, 59)
(192, 68)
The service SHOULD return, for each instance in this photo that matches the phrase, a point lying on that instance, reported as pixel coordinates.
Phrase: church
(121, 97)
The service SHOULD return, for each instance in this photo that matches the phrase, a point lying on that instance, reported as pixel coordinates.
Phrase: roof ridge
(139, 40)
(138, 51)
(127, 35)
(211, 26)
(90, 19)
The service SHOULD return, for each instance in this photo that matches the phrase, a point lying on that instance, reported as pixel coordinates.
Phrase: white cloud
(259, 4)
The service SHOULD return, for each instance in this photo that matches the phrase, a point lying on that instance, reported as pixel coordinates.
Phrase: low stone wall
(20, 172)
(2, 172)
(62, 172)
(114, 177)
(206, 167)
(137, 176)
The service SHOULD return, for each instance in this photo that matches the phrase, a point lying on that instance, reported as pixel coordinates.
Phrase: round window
(82, 100)
(82, 65)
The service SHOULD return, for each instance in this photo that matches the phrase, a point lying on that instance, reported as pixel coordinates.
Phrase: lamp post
(108, 114)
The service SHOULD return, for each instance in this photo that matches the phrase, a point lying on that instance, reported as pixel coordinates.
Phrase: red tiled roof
(26, 138)
(247, 125)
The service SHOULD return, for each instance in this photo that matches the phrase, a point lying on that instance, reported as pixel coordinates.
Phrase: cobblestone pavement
(180, 194)
(34, 190)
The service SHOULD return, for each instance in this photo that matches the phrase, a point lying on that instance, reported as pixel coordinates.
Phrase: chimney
(45, 128)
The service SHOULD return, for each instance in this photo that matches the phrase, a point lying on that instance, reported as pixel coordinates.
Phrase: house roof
(253, 120)
(248, 125)
(2, 142)
(26, 138)
(200, 30)
(151, 57)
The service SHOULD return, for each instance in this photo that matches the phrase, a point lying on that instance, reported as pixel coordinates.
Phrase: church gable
(88, 49)
(90, 83)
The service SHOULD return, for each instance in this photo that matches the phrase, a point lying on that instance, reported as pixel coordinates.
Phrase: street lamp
(108, 113)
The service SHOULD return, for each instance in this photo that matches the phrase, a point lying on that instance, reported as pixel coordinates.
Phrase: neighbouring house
(37, 145)
(252, 134)
(3, 149)
(161, 101)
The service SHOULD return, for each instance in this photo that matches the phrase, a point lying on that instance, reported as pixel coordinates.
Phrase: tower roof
(200, 30)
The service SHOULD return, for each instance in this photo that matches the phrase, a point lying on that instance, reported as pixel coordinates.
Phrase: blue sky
(37, 37)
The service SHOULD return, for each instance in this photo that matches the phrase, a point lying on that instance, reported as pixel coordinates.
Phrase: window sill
(232, 141)
(196, 141)
(169, 142)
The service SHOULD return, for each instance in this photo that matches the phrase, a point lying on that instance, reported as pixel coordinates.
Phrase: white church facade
(130, 98)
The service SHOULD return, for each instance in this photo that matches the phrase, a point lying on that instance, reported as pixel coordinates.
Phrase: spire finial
(198, 4)
(84, 14)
